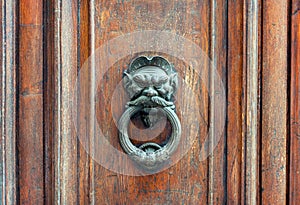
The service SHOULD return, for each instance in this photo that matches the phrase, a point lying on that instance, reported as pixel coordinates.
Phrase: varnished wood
(295, 105)
(86, 163)
(235, 102)
(253, 45)
(173, 185)
(274, 103)
(49, 114)
(30, 112)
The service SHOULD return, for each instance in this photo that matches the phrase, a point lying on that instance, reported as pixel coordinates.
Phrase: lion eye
(162, 79)
(159, 80)
(141, 80)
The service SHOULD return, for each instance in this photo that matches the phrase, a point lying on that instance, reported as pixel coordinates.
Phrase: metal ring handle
(149, 160)
(150, 83)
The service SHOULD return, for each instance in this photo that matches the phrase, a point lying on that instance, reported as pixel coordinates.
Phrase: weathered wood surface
(65, 66)
(30, 103)
(251, 69)
(8, 74)
(294, 149)
(235, 102)
(173, 185)
(254, 46)
(274, 102)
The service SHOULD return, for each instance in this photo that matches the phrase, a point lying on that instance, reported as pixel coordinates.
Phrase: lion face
(150, 81)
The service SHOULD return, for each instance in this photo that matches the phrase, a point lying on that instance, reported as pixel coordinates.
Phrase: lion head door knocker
(150, 84)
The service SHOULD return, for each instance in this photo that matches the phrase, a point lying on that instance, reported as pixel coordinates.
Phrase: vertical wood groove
(84, 164)
(49, 106)
(260, 104)
(92, 100)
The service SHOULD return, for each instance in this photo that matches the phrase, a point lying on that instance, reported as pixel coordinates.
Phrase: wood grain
(30, 122)
(295, 106)
(274, 103)
(185, 182)
(85, 164)
(8, 160)
(49, 101)
(251, 43)
(235, 102)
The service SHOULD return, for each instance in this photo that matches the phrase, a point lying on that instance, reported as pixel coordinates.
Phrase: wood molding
(251, 75)
(63, 60)
(8, 160)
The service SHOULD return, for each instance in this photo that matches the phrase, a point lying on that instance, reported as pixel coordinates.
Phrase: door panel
(56, 94)
(177, 184)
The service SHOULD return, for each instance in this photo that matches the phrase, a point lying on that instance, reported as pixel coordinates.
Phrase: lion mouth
(150, 106)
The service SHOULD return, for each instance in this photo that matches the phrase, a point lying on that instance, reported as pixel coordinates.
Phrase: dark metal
(150, 84)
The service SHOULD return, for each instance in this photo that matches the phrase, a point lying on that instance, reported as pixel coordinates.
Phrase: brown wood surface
(30, 104)
(48, 102)
(253, 45)
(274, 103)
(85, 169)
(235, 102)
(295, 106)
(186, 182)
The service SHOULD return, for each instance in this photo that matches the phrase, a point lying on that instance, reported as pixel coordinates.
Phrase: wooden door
(62, 65)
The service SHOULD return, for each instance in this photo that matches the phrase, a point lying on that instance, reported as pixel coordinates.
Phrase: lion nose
(150, 92)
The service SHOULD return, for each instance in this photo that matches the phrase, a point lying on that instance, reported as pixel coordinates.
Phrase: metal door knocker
(150, 84)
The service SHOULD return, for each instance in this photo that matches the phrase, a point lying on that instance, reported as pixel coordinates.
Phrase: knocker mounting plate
(150, 83)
